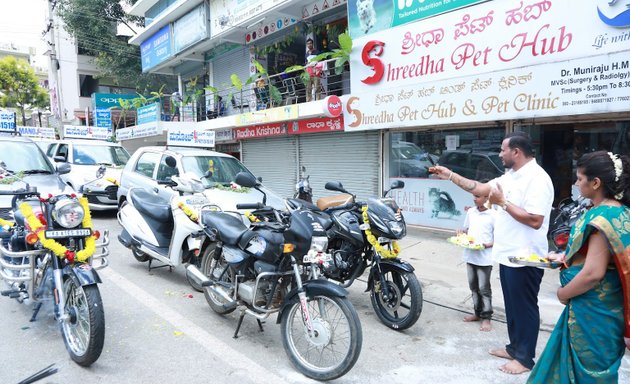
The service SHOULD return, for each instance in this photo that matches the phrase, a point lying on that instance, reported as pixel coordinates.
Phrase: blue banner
(7, 121)
(103, 118)
(156, 48)
(148, 114)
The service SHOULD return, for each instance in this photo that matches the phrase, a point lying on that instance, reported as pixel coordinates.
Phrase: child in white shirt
(479, 224)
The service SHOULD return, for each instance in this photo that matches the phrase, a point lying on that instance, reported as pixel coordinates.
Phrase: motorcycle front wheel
(401, 306)
(216, 270)
(333, 346)
(84, 332)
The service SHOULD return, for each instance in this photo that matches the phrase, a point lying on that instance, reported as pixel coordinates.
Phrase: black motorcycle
(303, 190)
(364, 234)
(562, 219)
(47, 254)
(257, 269)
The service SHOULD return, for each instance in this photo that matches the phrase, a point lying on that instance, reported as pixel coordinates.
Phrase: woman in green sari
(588, 342)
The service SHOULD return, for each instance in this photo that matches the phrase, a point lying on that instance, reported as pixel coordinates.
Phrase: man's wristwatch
(505, 205)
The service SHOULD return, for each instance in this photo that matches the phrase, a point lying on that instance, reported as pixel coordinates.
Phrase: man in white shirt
(525, 194)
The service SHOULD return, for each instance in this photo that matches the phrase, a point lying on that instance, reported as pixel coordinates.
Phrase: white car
(147, 169)
(85, 157)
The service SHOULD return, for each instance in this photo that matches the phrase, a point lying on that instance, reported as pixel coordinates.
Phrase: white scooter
(170, 232)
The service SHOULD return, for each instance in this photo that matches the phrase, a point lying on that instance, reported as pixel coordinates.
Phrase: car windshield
(87, 154)
(223, 169)
(23, 157)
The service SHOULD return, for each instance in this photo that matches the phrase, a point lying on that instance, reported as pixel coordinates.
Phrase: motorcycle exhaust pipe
(201, 279)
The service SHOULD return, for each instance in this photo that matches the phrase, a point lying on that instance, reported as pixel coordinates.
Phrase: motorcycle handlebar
(20, 193)
(250, 206)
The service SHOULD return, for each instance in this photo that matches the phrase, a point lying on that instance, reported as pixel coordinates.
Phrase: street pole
(54, 66)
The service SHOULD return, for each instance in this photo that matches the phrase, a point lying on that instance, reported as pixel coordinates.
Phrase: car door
(142, 173)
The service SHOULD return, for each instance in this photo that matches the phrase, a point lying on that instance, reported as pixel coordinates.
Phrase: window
(62, 151)
(164, 171)
(146, 164)
(51, 150)
(87, 85)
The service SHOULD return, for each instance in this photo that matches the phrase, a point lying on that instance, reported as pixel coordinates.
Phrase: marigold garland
(6, 223)
(251, 217)
(386, 253)
(113, 181)
(189, 212)
(58, 249)
(233, 187)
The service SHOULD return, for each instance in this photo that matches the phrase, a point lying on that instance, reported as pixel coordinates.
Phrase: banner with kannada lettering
(488, 37)
(598, 84)
(190, 137)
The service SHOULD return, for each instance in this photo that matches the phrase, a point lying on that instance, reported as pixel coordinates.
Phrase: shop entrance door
(557, 158)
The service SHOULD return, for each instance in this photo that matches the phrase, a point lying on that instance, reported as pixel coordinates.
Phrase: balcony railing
(286, 88)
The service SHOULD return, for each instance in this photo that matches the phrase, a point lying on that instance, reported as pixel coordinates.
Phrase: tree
(94, 25)
(19, 86)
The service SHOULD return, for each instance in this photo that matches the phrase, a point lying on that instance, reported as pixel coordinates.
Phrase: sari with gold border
(587, 345)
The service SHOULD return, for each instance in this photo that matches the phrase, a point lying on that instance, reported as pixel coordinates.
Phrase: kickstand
(170, 267)
(260, 325)
(238, 325)
(38, 306)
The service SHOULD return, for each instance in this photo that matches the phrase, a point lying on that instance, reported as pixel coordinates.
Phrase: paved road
(157, 333)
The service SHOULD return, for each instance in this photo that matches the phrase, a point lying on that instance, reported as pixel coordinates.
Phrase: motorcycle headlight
(68, 213)
(396, 227)
(319, 244)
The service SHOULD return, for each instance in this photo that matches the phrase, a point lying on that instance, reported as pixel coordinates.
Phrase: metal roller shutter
(351, 158)
(273, 159)
(234, 62)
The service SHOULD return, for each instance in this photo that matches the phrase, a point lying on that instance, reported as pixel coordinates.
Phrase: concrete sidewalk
(440, 267)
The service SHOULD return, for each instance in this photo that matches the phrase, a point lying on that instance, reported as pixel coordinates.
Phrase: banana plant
(342, 56)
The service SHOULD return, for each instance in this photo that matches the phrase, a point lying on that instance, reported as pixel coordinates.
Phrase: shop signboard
(271, 115)
(324, 124)
(109, 100)
(258, 131)
(229, 14)
(190, 137)
(103, 118)
(491, 36)
(190, 28)
(370, 16)
(156, 48)
(7, 121)
(317, 7)
(85, 132)
(432, 202)
(149, 113)
(40, 132)
(138, 131)
(224, 135)
(598, 84)
(268, 27)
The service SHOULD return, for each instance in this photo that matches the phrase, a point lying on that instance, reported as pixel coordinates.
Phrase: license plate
(62, 233)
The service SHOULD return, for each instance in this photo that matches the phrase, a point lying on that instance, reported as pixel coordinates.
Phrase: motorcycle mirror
(246, 180)
(100, 172)
(259, 178)
(207, 175)
(170, 161)
(396, 184)
(335, 186)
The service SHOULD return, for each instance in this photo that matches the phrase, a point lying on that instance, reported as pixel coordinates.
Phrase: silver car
(147, 169)
(22, 157)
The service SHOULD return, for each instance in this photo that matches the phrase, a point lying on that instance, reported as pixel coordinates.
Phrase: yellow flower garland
(113, 181)
(251, 217)
(386, 253)
(191, 215)
(58, 249)
(6, 223)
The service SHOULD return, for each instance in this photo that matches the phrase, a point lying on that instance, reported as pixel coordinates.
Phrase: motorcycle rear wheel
(84, 333)
(214, 270)
(403, 305)
(337, 340)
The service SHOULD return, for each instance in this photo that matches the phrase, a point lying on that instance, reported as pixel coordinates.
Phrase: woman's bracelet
(450, 177)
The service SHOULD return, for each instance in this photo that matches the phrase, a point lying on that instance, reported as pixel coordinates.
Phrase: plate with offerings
(534, 260)
(465, 241)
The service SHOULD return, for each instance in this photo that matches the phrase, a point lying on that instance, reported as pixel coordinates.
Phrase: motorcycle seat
(301, 204)
(151, 205)
(228, 227)
(333, 201)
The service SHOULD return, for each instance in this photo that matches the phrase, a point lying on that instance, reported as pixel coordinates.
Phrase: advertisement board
(103, 118)
(156, 48)
(109, 100)
(324, 124)
(190, 28)
(83, 132)
(149, 113)
(228, 14)
(257, 131)
(488, 37)
(7, 121)
(190, 137)
(598, 84)
(39, 132)
(139, 131)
